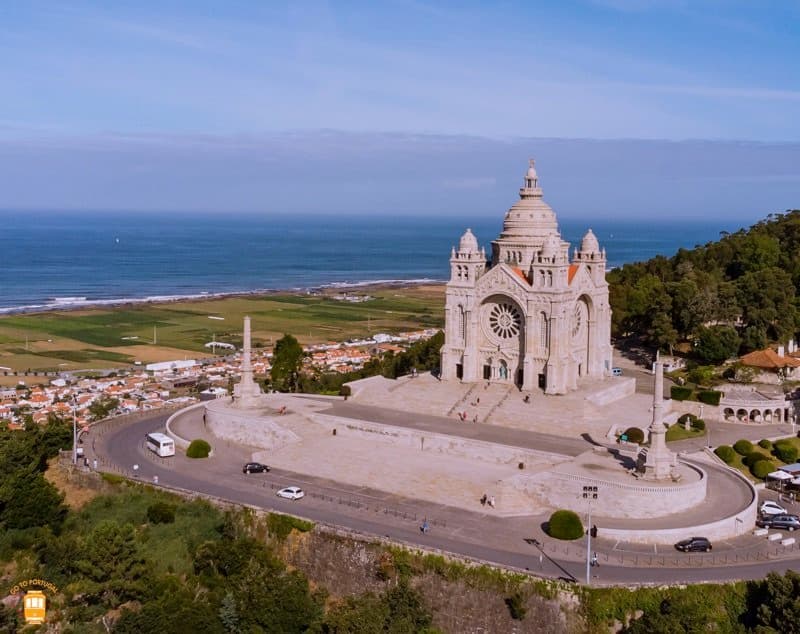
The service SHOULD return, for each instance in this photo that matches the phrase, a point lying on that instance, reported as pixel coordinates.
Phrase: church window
(549, 278)
(462, 323)
(541, 278)
(505, 321)
(544, 326)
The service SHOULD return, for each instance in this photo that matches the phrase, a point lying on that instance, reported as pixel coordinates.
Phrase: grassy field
(115, 337)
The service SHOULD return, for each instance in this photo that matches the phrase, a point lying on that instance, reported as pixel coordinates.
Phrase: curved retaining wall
(182, 443)
(254, 428)
(623, 500)
(725, 528)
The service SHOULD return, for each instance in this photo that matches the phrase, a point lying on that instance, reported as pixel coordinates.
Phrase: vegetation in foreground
(140, 560)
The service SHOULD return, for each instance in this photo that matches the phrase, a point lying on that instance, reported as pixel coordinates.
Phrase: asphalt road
(477, 535)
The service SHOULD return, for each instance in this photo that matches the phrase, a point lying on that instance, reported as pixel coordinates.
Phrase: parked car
(291, 493)
(616, 371)
(254, 467)
(786, 522)
(694, 544)
(772, 508)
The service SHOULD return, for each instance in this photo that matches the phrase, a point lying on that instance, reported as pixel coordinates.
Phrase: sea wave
(76, 303)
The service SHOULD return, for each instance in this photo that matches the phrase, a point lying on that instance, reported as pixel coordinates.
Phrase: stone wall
(433, 442)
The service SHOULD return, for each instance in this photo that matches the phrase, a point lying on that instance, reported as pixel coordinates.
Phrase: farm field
(118, 336)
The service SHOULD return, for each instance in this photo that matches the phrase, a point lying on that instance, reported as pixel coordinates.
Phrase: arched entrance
(502, 323)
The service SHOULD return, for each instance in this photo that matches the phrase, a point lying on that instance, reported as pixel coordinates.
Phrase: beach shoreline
(75, 304)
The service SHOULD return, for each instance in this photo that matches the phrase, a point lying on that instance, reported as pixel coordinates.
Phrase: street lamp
(74, 431)
(589, 494)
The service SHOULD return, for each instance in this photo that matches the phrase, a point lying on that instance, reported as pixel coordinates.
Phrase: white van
(616, 371)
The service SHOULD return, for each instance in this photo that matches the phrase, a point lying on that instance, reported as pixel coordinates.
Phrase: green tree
(716, 344)
(102, 407)
(110, 563)
(777, 605)
(28, 500)
(287, 360)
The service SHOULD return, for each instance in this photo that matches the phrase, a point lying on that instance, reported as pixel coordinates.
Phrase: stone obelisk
(660, 461)
(247, 392)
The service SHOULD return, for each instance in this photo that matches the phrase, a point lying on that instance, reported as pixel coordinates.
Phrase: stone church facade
(530, 316)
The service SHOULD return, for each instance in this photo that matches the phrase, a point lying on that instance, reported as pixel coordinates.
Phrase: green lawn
(84, 337)
(677, 432)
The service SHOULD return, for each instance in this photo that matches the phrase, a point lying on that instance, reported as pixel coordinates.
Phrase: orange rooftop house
(774, 366)
(529, 317)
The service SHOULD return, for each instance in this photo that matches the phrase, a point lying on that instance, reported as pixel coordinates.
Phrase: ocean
(52, 260)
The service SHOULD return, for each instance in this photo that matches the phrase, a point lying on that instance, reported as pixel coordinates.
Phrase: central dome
(530, 219)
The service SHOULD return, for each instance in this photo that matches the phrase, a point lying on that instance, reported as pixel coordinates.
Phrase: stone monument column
(660, 461)
(247, 392)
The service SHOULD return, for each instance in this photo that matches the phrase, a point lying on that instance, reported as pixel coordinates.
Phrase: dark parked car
(254, 467)
(787, 522)
(694, 544)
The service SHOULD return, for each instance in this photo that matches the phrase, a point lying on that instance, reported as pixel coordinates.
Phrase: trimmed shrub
(680, 393)
(699, 424)
(783, 442)
(761, 468)
(198, 448)
(785, 453)
(634, 434)
(690, 417)
(709, 397)
(565, 525)
(765, 444)
(161, 513)
(743, 447)
(725, 453)
(756, 456)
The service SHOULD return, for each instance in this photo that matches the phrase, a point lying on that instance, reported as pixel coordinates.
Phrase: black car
(694, 544)
(254, 467)
(788, 522)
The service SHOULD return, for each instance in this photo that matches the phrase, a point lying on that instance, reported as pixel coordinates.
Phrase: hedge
(725, 453)
(785, 453)
(680, 393)
(743, 447)
(754, 457)
(765, 444)
(565, 525)
(634, 434)
(761, 468)
(709, 397)
(198, 448)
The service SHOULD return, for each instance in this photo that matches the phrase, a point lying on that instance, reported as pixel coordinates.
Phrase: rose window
(505, 321)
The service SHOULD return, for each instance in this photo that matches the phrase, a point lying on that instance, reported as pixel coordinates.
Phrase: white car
(772, 508)
(291, 493)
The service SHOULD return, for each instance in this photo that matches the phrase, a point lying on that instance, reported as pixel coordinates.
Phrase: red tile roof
(769, 360)
(573, 269)
(520, 273)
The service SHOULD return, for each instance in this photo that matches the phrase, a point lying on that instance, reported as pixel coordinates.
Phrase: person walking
(491, 501)
(594, 562)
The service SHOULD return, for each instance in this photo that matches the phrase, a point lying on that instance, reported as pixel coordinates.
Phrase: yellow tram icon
(35, 604)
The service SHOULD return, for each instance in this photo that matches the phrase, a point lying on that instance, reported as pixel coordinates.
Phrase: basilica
(529, 316)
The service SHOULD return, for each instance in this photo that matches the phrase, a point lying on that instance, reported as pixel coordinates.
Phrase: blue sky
(204, 106)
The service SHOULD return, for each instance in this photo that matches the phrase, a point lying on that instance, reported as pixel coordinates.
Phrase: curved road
(516, 542)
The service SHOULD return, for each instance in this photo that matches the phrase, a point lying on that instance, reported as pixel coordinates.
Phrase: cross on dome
(531, 179)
